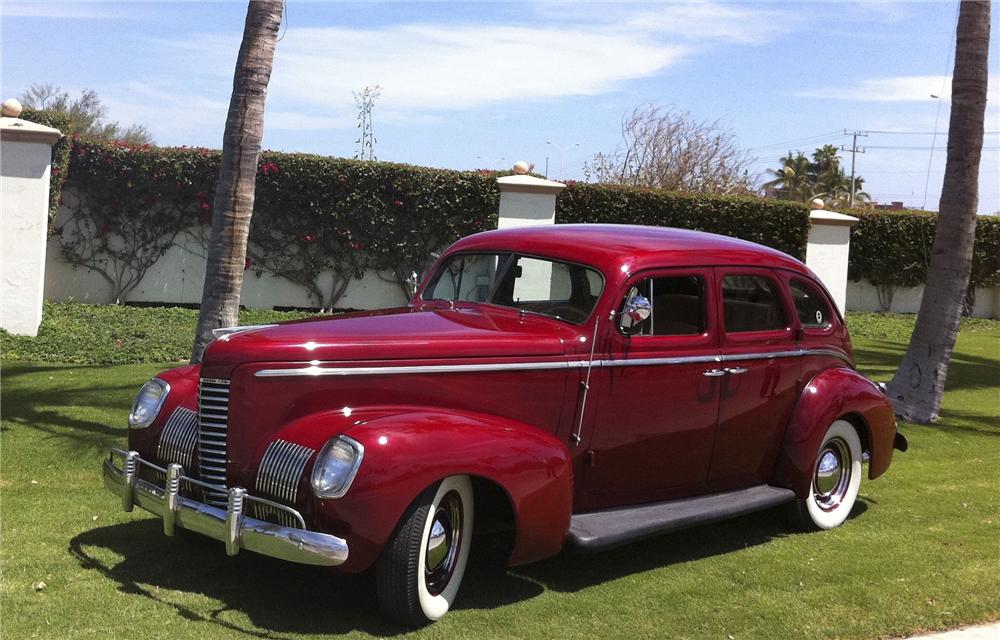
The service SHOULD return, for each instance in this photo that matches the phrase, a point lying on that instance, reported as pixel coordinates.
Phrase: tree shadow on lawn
(279, 597)
(49, 409)
(881, 358)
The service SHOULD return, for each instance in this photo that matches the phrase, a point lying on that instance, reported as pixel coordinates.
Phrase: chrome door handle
(714, 373)
(735, 370)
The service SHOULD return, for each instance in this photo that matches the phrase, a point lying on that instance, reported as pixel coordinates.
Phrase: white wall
(178, 277)
(24, 211)
(863, 296)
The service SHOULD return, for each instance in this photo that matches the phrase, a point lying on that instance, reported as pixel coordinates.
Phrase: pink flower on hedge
(269, 168)
(205, 206)
(247, 264)
(397, 203)
(309, 237)
(355, 245)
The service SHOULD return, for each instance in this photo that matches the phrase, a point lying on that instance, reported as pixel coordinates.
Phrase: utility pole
(854, 152)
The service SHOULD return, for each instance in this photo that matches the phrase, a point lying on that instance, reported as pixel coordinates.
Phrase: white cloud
(579, 50)
(459, 67)
(897, 89)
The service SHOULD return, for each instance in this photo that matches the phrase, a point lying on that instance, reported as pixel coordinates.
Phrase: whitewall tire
(421, 569)
(836, 479)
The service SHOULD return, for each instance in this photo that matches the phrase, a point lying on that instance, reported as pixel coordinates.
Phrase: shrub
(892, 249)
(780, 224)
(315, 214)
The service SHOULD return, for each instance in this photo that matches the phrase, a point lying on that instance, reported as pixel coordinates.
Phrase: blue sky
(482, 84)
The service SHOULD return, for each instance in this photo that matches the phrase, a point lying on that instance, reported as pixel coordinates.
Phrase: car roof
(629, 248)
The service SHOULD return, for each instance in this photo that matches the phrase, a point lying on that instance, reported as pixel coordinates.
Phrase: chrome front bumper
(231, 525)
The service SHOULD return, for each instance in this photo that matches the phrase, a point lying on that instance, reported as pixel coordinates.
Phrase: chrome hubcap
(833, 474)
(443, 543)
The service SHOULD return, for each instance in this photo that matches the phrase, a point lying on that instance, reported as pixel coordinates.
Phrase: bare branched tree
(86, 113)
(666, 148)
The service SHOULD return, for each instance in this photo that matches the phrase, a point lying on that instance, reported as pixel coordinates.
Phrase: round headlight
(336, 467)
(148, 403)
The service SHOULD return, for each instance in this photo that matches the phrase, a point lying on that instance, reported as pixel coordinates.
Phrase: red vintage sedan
(584, 386)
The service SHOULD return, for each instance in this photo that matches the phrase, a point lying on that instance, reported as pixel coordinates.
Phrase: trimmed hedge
(780, 224)
(60, 152)
(893, 248)
(314, 214)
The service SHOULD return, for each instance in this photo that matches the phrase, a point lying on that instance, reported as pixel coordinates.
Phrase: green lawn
(923, 551)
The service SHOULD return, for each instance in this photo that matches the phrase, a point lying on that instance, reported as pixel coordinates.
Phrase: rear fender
(407, 449)
(830, 395)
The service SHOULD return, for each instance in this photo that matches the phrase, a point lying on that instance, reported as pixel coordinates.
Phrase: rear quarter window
(810, 305)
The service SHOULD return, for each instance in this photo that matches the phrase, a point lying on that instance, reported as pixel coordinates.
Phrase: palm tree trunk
(917, 388)
(234, 195)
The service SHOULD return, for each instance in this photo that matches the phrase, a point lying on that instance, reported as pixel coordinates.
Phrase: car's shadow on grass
(280, 598)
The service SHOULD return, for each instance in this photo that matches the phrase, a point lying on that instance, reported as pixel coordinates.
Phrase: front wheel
(836, 479)
(421, 569)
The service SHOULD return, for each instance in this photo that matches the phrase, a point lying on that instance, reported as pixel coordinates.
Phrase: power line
(814, 138)
(921, 133)
(937, 116)
(902, 148)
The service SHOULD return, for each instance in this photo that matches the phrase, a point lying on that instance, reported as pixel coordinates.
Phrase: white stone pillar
(25, 164)
(526, 201)
(827, 250)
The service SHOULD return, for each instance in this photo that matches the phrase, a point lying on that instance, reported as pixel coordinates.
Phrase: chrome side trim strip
(316, 370)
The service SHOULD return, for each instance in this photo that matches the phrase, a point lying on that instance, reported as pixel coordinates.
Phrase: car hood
(394, 334)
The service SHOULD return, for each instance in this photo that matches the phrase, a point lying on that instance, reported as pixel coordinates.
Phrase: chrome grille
(179, 438)
(213, 426)
(278, 478)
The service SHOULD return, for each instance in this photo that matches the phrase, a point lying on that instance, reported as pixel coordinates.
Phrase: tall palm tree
(918, 386)
(234, 195)
(826, 159)
(791, 180)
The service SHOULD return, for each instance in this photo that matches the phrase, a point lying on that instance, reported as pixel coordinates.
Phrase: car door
(652, 412)
(760, 359)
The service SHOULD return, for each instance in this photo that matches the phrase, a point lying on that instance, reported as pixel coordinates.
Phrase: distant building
(892, 206)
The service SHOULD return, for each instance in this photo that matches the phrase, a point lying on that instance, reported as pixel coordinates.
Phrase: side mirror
(637, 310)
(414, 282)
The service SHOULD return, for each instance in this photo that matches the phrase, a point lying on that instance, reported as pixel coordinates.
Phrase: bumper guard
(231, 526)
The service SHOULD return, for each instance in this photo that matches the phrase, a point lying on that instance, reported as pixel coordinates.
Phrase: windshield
(556, 289)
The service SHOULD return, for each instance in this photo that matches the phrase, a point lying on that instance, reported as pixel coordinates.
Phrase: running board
(600, 530)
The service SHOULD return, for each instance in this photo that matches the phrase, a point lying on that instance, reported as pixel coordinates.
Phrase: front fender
(407, 449)
(183, 383)
(830, 395)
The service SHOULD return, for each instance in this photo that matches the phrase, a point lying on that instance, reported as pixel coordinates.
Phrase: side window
(810, 305)
(678, 306)
(751, 303)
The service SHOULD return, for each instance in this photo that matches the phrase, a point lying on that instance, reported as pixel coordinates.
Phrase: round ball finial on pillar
(817, 203)
(521, 167)
(12, 108)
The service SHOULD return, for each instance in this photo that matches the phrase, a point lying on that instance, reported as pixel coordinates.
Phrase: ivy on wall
(317, 215)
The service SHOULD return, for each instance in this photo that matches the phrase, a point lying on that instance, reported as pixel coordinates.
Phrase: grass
(107, 334)
(921, 553)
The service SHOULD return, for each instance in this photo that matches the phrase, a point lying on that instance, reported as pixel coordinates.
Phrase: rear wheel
(421, 569)
(836, 479)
